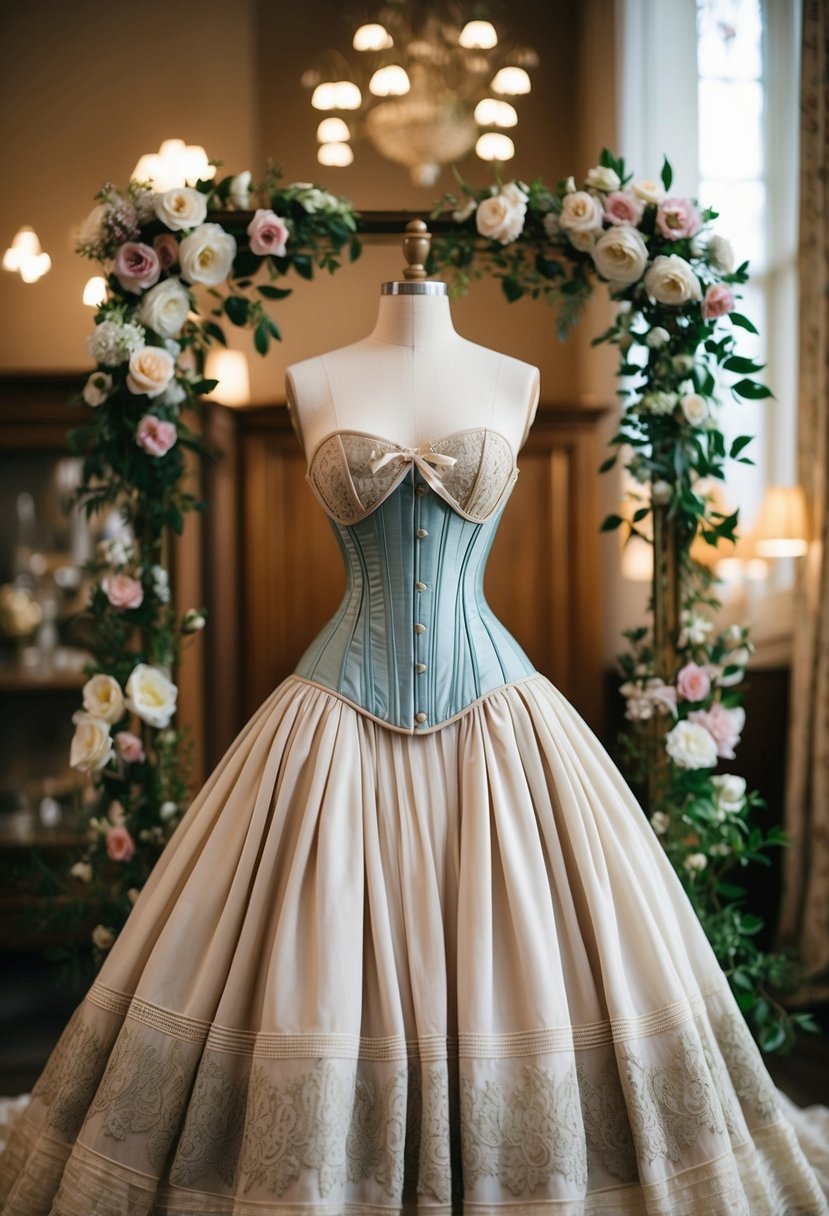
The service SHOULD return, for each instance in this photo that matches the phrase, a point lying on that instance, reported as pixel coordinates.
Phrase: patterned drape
(805, 913)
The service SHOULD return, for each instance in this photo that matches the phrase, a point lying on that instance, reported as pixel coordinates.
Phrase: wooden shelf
(15, 678)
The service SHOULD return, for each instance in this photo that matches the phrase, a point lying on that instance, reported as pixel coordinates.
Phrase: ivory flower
(240, 190)
(165, 307)
(620, 255)
(151, 695)
(182, 207)
(102, 698)
(92, 228)
(695, 863)
(206, 255)
(151, 370)
(724, 725)
(91, 745)
(580, 212)
(81, 870)
(660, 822)
(690, 745)
(695, 408)
(604, 179)
(648, 191)
(659, 402)
(102, 937)
(657, 337)
(730, 793)
(97, 389)
(501, 217)
(719, 253)
(670, 280)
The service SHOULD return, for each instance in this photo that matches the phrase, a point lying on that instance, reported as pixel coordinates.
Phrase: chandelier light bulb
(195, 166)
(478, 36)
(335, 155)
(333, 131)
(25, 256)
(347, 96)
(494, 113)
(511, 82)
(95, 291)
(372, 37)
(175, 164)
(324, 96)
(494, 146)
(390, 81)
(148, 168)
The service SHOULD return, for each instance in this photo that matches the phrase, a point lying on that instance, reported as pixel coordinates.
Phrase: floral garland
(173, 274)
(675, 283)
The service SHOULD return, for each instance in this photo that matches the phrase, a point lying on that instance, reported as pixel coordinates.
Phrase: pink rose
(123, 591)
(692, 683)
(136, 266)
(166, 247)
(723, 724)
(155, 436)
(120, 845)
(129, 747)
(717, 301)
(677, 218)
(622, 207)
(267, 233)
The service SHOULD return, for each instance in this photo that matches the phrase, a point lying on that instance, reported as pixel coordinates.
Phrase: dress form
(413, 380)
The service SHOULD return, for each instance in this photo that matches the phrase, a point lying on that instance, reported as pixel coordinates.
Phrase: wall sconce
(26, 257)
(782, 528)
(174, 164)
(230, 368)
(95, 291)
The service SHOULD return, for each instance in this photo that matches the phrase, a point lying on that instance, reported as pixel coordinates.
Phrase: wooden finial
(416, 250)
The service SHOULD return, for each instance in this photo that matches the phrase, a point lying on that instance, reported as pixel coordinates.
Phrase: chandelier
(427, 87)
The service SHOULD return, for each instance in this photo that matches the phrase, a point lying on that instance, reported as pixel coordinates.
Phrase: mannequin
(414, 379)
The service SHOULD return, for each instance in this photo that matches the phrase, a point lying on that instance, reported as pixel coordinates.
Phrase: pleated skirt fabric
(375, 973)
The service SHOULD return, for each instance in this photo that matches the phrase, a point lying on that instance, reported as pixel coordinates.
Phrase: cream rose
(620, 255)
(182, 207)
(720, 254)
(604, 179)
(501, 217)
(691, 746)
(97, 389)
(649, 191)
(102, 698)
(730, 793)
(671, 280)
(165, 307)
(102, 937)
(91, 745)
(695, 408)
(81, 870)
(240, 190)
(151, 695)
(580, 212)
(151, 370)
(206, 255)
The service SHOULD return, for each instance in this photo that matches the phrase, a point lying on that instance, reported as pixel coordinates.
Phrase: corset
(414, 642)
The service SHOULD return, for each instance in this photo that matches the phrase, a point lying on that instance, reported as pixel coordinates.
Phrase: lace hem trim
(543, 1041)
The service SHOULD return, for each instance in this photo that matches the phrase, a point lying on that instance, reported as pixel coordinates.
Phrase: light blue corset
(414, 642)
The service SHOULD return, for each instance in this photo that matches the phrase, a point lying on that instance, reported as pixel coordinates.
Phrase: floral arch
(183, 263)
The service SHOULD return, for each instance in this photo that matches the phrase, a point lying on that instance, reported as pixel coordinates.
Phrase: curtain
(805, 909)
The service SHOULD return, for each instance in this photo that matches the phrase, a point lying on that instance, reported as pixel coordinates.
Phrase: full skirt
(375, 973)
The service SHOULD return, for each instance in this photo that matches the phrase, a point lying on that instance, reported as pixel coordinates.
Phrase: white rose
(206, 255)
(91, 229)
(464, 212)
(694, 863)
(151, 370)
(164, 308)
(671, 280)
(620, 254)
(730, 793)
(501, 217)
(91, 745)
(691, 746)
(584, 242)
(151, 695)
(97, 389)
(173, 394)
(240, 190)
(167, 810)
(659, 402)
(720, 255)
(683, 364)
(102, 937)
(102, 698)
(695, 408)
(604, 179)
(738, 658)
(81, 870)
(695, 629)
(660, 822)
(657, 337)
(570, 186)
(649, 191)
(580, 212)
(182, 207)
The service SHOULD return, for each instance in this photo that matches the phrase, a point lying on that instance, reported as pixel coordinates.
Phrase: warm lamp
(390, 81)
(495, 146)
(335, 154)
(26, 257)
(174, 164)
(230, 368)
(490, 112)
(478, 36)
(782, 528)
(511, 82)
(372, 37)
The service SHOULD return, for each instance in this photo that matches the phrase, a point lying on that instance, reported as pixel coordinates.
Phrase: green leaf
(274, 293)
(752, 390)
(609, 463)
(511, 288)
(245, 264)
(237, 309)
(611, 523)
(772, 1038)
(215, 332)
(262, 337)
(354, 249)
(640, 514)
(667, 174)
(738, 363)
(737, 318)
(739, 443)
(303, 265)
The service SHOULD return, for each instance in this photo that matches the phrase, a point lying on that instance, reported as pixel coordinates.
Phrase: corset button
(421, 533)
(420, 586)
(421, 717)
(420, 628)
(420, 668)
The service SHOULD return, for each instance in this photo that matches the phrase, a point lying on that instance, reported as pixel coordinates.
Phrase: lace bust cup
(352, 473)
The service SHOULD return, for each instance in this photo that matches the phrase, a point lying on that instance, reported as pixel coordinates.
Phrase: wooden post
(666, 605)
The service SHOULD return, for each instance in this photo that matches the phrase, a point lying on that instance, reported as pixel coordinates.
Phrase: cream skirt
(375, 973)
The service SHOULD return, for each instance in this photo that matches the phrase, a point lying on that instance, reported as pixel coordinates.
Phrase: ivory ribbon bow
(421, 457)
